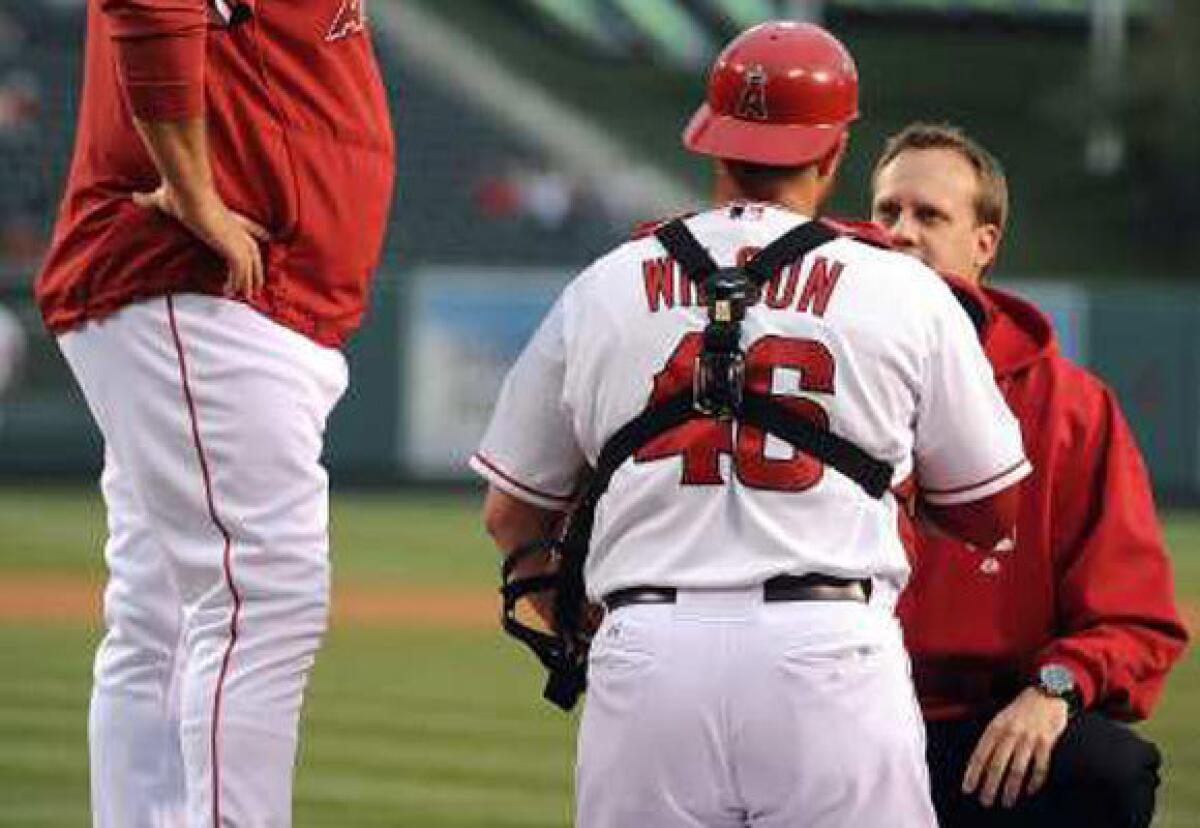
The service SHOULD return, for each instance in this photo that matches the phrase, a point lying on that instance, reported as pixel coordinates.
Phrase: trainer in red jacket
(1024, 655)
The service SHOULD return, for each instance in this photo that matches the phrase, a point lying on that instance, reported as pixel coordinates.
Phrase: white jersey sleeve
(968, 443)
(530, 450)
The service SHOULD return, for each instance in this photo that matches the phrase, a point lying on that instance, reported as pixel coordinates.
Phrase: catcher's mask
(562, 652)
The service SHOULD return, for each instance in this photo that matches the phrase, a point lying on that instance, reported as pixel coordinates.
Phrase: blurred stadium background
(532, 135)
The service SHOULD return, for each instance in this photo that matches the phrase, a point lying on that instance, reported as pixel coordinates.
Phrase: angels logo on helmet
(752, 104)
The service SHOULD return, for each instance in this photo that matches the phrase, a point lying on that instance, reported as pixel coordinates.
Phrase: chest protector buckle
(720, 370)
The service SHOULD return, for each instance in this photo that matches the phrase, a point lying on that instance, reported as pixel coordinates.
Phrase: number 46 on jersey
(702, 442)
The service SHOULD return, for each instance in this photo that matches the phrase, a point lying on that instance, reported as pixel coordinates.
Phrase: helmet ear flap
(827, 163)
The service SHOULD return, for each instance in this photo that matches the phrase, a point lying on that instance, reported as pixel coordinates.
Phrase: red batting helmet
(781, 93)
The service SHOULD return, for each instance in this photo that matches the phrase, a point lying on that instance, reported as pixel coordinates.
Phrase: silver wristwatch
(1058, 682)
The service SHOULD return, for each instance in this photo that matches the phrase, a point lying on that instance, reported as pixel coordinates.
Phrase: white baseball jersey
(866, 342)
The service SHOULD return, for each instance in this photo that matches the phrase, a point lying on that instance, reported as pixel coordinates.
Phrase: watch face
(1056, 680)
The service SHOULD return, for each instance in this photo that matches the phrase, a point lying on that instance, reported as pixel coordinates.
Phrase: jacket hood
(1014, 333)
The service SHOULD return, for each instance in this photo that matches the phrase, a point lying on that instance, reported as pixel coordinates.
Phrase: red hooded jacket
(299, 140)
(1088, 583)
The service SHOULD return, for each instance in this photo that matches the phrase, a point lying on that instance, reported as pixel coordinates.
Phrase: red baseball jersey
(1087, 582)
(299, 139)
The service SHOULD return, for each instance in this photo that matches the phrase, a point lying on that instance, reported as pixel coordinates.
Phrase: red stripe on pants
(227, 562)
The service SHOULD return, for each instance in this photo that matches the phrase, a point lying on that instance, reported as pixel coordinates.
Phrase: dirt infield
(71, 600)
(66, 599)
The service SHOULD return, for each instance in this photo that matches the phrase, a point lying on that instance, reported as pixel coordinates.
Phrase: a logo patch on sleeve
(351, 19)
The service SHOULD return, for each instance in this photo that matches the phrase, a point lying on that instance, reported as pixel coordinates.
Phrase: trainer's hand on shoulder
(1016, 744)
(233, 236)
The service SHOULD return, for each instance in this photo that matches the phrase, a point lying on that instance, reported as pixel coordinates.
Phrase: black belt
(811, 587)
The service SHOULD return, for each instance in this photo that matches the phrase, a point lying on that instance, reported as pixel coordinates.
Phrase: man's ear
(987, 246)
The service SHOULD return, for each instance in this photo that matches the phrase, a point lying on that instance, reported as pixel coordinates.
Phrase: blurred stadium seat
(39, 77)
(470, 192)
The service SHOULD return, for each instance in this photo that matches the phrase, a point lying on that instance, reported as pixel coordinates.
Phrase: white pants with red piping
(213, 419)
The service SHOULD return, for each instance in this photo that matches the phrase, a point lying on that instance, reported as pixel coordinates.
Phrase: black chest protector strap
(698, 265)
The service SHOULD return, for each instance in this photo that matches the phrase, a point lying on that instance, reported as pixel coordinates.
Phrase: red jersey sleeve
(160, 48)
(1121, 628)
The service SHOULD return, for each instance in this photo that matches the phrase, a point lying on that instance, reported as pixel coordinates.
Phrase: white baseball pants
(722, 711)
(213, 419)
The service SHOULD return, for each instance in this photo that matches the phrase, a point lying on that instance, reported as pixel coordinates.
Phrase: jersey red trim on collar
(864, 231)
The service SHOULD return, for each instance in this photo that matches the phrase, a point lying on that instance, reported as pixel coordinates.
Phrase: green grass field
(403, 727)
